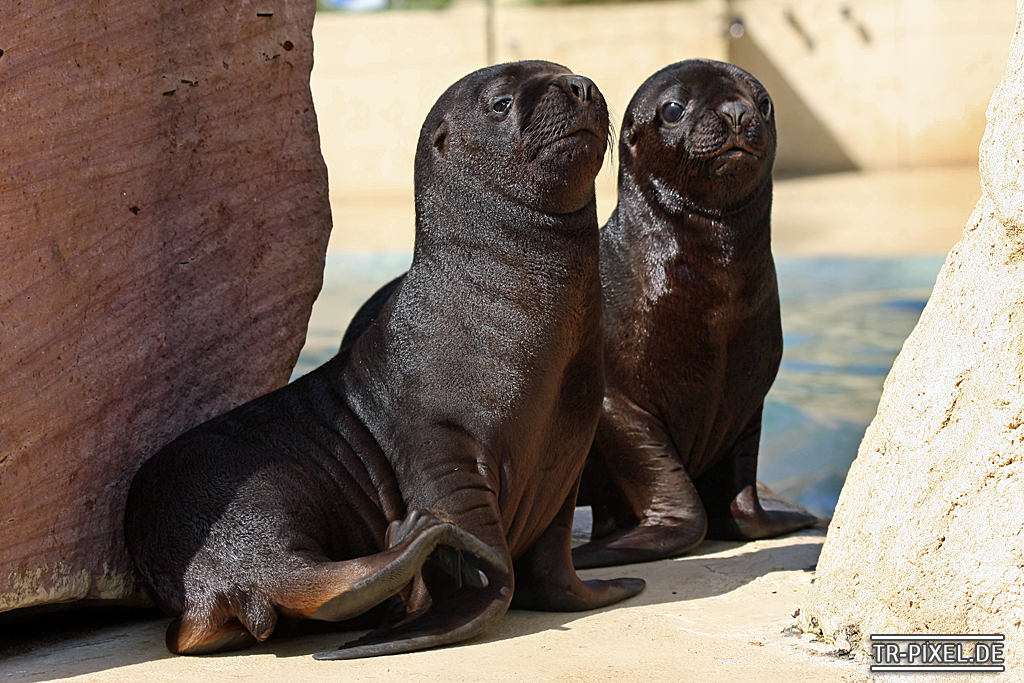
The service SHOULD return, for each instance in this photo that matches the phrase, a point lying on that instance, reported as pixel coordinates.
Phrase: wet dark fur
(440, 449)
(693, 337)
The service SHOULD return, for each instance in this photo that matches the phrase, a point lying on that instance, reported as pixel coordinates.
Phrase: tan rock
(928, 535)
(163, 222)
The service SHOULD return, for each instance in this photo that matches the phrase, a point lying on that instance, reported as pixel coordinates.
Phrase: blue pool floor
(844, 320)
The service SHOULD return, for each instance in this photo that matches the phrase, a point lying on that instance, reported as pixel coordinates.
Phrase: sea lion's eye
(501, 105)
(766, 107)
(671, 112)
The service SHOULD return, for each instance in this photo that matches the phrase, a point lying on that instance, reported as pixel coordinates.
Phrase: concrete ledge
(890, 213)
(884, 213)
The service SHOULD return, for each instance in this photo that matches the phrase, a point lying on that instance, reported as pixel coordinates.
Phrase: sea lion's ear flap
(630, 134)
(440, 139)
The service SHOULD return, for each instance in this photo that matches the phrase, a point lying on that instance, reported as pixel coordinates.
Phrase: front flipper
(546, 580)
(729, 490)
(645, 542)
(645, 476)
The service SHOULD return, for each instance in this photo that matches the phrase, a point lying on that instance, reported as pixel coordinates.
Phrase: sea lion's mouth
(733, 156)
(588, 125)
(736, 150)
(580, 129)
(584, 133)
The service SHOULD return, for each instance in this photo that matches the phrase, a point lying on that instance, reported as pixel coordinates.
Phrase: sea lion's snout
(580, 87)
(563, 137)
(733, 112)
(742, 127)
(570, 103)
(727, 128)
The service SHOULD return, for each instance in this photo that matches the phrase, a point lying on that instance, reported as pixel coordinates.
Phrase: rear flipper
(454, 610)
(458, 590)
(546, 580)
(221, 625)
(730, 492)
(332, 591)
(337, 591)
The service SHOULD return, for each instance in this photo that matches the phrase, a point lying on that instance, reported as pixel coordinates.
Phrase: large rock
(163, 223)
(928, 535)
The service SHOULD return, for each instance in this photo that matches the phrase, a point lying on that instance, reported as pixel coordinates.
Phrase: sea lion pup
(693, 336)
(434, 463)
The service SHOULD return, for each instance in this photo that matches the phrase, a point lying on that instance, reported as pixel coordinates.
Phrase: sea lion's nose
(732, 113)
(580, 87)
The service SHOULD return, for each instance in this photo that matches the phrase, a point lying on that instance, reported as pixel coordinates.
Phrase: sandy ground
(722, 613)
(877, 214)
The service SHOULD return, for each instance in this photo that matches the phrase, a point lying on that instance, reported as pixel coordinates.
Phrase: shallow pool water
(843, 319)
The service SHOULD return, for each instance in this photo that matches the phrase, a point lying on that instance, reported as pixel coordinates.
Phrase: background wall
(858, 84)
(874, 84)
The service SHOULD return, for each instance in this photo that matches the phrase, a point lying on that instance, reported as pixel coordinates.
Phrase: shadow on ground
(64, 646)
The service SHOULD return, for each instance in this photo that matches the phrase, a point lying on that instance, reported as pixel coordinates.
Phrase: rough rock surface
(163, 223)
(928, 535)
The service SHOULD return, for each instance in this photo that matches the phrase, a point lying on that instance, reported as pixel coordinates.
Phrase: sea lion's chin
(573, 192)
(560, 176)
(724, 179)
(721, 183)
(566, 200)
(564, 203)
